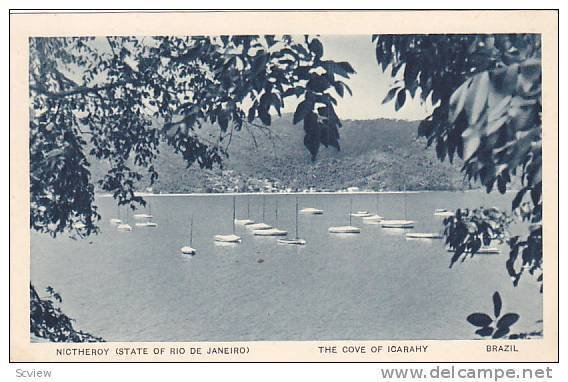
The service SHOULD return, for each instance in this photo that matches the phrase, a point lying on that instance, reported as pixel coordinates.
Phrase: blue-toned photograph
(285, 187)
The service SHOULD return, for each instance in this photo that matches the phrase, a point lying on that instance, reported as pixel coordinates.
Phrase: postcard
(316, 186)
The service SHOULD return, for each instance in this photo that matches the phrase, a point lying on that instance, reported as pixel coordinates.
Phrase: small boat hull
(243, 222)
(270, 232)
(361, 214)
(228, 238)
(444, 214)
(146, 224)
(419, 235)
(397, 224)
(142, 216)
(124, 227)
(259, 226)
(292, 241)
(187, 250)
(311, 211)
(344, 229)
(372, 218)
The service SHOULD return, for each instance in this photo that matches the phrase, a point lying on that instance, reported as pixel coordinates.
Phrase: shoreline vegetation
(340, 192)
(376, 155)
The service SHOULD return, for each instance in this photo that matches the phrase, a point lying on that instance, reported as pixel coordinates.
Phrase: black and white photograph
(286, 187)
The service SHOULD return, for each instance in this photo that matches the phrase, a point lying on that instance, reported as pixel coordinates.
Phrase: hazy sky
(369, 84)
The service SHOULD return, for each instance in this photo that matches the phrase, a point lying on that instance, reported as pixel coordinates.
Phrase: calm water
(136, 286)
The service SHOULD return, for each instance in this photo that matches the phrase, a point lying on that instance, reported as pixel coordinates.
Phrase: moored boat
(311, 211)
(270, 232)
(420, 235)
(258, 226)
(397, 224)
(372, 218)
(444, 214)
(244, 221)
(232, 238)
(228, 238)
(361, 214)
(344, 229)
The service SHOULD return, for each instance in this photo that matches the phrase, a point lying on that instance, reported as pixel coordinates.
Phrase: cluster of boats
(263, 229)
(143, 220)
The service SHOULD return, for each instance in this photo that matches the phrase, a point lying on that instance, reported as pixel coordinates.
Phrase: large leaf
(302, 110)
(312, 138)
(344, 69)
(390, 95)
(457, 101)
(484, 332)
(479, 319)
(471, 141)
(500, 333)
(400, 99)
(497, 304)
(318, 83)
(477, 95)
(316, 47)
(507, 320)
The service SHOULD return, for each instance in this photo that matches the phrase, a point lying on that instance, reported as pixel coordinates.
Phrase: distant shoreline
(147, 194)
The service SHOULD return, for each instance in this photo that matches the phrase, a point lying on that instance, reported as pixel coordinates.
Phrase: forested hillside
(375, 154)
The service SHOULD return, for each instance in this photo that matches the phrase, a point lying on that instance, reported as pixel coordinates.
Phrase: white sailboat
(442, 212)
(260, 226)
(246, 221)
(376, 218)
(188, 249)
(399, 223)
(148, 223)
(346, 228)
(296, 240)
(311, 211)
(361, 214)
(419, 235)
(144, 215)
(232, 238)
(271, 231)
(125, 227)
(117, 220)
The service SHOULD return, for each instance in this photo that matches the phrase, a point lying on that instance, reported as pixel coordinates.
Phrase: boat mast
(263, 205)
(296, 217)
(191, 231)
(276, 213)
(234, 205)
(248, 206)
(405, 201)
(350, 208)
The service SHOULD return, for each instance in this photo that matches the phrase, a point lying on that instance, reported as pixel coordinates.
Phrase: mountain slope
(375, 154)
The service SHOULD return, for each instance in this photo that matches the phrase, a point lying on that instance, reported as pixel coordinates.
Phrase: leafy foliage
(468, 230)
(49, 322)
(487, 93)
(497, 327)
(119, 97)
